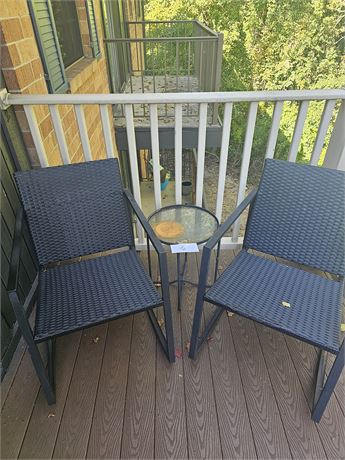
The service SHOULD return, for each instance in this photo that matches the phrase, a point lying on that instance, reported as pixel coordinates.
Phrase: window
(58, 37)
(68, 32)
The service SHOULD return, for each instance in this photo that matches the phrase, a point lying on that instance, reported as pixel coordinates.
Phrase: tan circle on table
(169, 229)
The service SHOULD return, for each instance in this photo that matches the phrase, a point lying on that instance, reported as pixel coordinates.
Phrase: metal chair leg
(169, 331)
(51, 361)
(324, 392)
(36, 358)
(194, 341)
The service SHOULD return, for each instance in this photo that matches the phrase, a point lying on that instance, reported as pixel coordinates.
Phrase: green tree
(271, 45)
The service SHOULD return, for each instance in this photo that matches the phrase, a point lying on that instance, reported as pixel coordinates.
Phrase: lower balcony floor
(248, 394)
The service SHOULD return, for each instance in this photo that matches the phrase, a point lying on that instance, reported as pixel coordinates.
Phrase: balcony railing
(333, 105)
(167, 57)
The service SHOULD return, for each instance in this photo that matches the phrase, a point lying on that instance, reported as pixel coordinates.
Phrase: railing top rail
(160, 39)
(202, 26)
(206, 28)
(173, 98)
(180, 21)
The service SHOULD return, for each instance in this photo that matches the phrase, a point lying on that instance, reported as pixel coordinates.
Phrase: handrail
(206, 28)
(153, 103)
(159, 39)
(184, 21)
(173, 98)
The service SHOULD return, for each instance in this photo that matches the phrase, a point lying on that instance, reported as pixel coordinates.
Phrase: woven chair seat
(296, 302)
(92, 291)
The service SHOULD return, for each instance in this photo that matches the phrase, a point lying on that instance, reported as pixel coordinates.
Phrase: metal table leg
(180, 277)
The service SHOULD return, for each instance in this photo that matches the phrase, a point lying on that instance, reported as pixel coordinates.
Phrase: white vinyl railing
(335, 156)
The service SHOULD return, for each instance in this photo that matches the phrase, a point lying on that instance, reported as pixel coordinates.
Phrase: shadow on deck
(248, 395)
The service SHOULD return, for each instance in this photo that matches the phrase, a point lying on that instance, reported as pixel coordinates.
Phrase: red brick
(9, 56)
(27, 28)
(28, 49)
(37, 68)
(12, 30)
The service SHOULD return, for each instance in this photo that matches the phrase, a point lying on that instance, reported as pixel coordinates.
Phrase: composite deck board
(267, 427)
(170, 419)
(234, 424)
(331, 427)
(18, 407)
(248, 394)
(107, 421)
(202, 421)
(10, 375)
(40, 437)
(138, 427)
(73, 436)
(301, 432)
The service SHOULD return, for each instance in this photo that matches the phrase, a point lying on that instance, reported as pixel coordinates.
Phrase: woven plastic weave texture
(299, 214)
(78, 295)
(75, 209)
(256, 287)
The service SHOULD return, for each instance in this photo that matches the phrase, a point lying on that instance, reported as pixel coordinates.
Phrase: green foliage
(271, 45)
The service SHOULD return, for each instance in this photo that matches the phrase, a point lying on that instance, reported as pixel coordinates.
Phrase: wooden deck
(248, 395)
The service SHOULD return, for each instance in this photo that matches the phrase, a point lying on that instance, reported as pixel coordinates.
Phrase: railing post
(335, 154)
(36, 135)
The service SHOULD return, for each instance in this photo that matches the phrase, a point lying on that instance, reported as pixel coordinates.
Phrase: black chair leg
(169, 330)
(323, 392)
(194, 341)
(36, 358)
(51, 361)
(41, 372)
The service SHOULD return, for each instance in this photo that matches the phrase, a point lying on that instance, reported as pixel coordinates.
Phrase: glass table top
(183, 224)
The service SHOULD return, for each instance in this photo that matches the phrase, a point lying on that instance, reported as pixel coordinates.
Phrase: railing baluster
(178, 153)
(298, 131)
(335, 154)
(60, 136)
(106, 130)
(200, 87)
(36, 135)
(177, 65)
(133, 160)
(201, 153)
(273, 135)
(155, 154)
(247, 150)
(322, 131)
(84, 136)
(223, 160)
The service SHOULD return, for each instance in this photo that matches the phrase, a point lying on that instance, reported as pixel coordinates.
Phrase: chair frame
(47, 375)
(323, 388)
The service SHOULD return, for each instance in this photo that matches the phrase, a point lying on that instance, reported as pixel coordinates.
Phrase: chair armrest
(16, 250)
(222, 229)
(144, 222)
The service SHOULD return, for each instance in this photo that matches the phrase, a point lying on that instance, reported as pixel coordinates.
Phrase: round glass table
(178, 224)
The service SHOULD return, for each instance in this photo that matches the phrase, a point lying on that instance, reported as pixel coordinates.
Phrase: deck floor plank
(138, 427)
(18, 407)
(202, 422)
(170, 420)
(73, 436)
(248, 394)
(331, 427)
(234, 424)
(40, 438)
(267, 427)
(107, 422)
(301, 432)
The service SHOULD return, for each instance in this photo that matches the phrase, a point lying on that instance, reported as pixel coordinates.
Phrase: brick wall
(23, 73)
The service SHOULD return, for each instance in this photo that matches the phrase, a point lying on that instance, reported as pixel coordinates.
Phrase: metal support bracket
(4, 104)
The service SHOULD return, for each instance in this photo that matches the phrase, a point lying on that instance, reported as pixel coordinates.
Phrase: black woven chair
(297, 214)
(78, 210)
